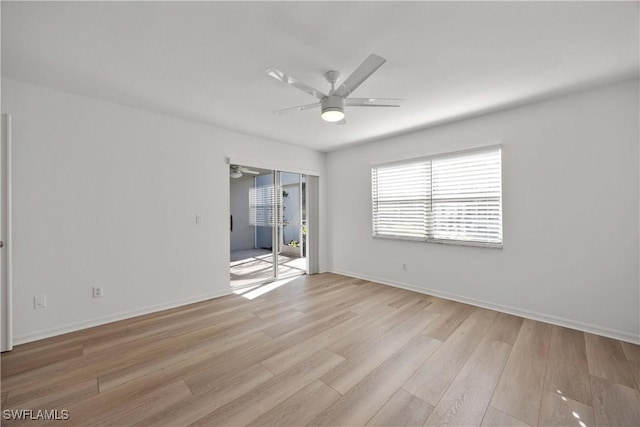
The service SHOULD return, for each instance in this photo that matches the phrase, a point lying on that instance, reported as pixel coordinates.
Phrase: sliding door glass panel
(253, 213)
(291, 228)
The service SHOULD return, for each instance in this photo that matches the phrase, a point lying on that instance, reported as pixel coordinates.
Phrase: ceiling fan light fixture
(332, 108)
(235, 174)
(332, 105)
(333, 114)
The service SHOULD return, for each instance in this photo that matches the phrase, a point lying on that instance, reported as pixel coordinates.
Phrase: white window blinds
(453, 198)
(401, 200)
(262, 206)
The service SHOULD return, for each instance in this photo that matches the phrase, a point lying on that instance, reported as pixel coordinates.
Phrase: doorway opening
(268, 226)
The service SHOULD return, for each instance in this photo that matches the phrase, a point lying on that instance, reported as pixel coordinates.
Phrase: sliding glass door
(268, 226)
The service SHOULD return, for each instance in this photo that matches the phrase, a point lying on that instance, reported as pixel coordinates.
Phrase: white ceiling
(205, 61)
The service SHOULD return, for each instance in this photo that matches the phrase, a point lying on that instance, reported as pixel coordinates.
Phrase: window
(262, 205)
(451, 198)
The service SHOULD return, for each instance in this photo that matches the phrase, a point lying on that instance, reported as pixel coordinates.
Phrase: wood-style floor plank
(125, 341)
(632, 352)
(54, 397)
(369, 357)
(221, 367)
(80, 369)
(607, 360)
(162, 360)
(378, 318)
(388, 318)
(452, 314)
(505, 328)
(261, 361)
(286, 298)
(300, 408)
(269, 394)
(143, 407)
(430, 382)
(615, 404)
(187, 411)
(466, 400)
(13, 366)
(558, 410)
(76, 370)
(363, 400)
(635, 371)
(201, 350)
(345, 294)
(567, 367)
(496, 418)
(308, 317)
(403, 298)
(402, 410)
(519, 390)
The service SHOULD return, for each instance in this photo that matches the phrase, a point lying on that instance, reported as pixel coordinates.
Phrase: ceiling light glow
(333, 114)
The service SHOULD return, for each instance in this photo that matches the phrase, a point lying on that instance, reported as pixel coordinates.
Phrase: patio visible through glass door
(268, 224)
(292, 227)
(252, 212)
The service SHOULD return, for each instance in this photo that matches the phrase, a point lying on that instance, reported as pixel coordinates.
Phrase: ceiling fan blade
(373, 102)
(362, 73)
(250, 172)
(298, 108)
(285, 78)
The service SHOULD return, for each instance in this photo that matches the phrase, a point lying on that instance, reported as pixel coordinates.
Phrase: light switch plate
(40, 301)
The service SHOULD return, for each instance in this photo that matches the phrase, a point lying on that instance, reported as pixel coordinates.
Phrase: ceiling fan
(332, 104)
(236, 171)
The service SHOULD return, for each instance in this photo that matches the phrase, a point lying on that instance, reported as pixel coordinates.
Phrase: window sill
(443, 241)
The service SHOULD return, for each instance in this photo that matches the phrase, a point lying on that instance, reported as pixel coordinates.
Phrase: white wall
(243, 235)
(570, 196)
(107, 195)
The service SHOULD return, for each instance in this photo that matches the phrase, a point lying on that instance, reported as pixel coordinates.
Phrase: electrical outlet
(40, 301)
(98, 291)
(198, 219)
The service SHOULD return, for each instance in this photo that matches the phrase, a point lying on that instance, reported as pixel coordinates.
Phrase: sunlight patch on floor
(255, 292)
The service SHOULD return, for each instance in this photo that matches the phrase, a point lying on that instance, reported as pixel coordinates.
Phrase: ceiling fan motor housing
(332, 103)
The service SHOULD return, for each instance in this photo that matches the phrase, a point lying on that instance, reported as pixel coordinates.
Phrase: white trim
(438, 155)
(313, 224)
(440, 241)
(9, 243)
(527, 314)
(262, 164)
(72, 327)
(7, 308)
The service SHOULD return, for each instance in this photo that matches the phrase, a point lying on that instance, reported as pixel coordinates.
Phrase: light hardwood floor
(327, 350)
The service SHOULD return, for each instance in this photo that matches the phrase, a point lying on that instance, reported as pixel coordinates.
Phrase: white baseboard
(72, 327)
(527, 314)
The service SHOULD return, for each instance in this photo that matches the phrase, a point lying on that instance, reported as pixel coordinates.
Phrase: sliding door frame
(312, 252)
(275, 230)
(6, 299)
(278, 220)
